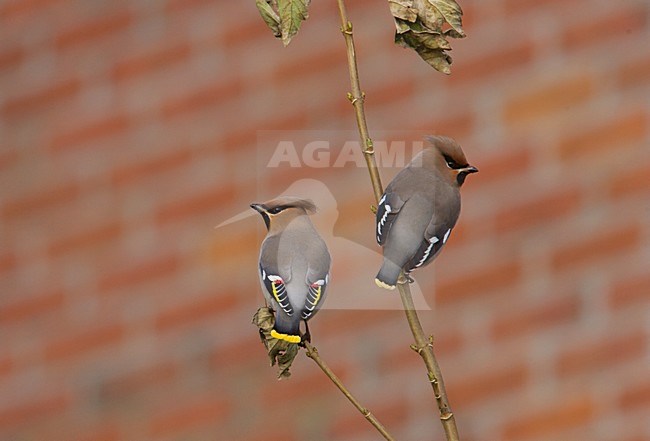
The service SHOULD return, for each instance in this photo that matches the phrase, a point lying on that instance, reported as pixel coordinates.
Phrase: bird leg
(307, 335)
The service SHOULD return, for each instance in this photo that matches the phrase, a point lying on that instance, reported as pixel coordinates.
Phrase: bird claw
(404, 279)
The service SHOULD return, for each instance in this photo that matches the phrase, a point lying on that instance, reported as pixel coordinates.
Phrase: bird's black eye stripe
(452, 164)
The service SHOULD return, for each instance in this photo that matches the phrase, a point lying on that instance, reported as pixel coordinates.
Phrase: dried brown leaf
(280, 352)
(420, 25)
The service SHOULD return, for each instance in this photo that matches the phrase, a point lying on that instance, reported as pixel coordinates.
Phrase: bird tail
(286, 328)
(388, 275)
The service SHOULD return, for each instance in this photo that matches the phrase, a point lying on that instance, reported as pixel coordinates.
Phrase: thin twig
(312, 353)
(422, 346)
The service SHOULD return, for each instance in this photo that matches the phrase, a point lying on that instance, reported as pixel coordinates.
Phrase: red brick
(459, 125)
(86, 134)
(518, 6)
(636, 396)
(535, 319)
(196, 204)
(598, 246)
(84, 341)
(27, 308)
(132, 173)
(629, 292)
(40, 99)
(233, 246)
(101, 432)
(157, 267)
(497, 62)
(44, 199)
(209, 96)
(602, 354)
(89, 29)
(329, 58)
(478, 387)
(543, 424)
(389, 92)
(444, 345)
(8, 158)
(184, 416)
(22, 413)
(390, 413)
(547, 100)
(502, 165)
(10, 58)
(493, 276)
(6, 367)
(177, 5)
(196, 311)
(9, 10)
(619, 23)
(538, 210)
(631, 181)
(85, 239)
(7, 262)
(124, 387)
(152, 61)
(635, 73)
(625, 129)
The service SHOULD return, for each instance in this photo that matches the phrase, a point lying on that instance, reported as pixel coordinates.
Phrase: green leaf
(425, 26)
(269, 16)
(292, 13)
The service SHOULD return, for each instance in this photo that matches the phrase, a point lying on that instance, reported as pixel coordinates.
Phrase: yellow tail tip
(381, 284)
(285, 337)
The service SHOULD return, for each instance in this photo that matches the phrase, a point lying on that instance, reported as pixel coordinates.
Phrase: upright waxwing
(419, 208)
(294, 265)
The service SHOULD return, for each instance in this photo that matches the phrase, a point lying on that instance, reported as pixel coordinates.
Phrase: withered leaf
(420, 25)
(269, 16)
(284, 17)
(403, 9)
(280, 352)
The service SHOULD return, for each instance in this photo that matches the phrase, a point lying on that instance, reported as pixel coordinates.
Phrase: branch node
(370, 147)
(373, 209)
(446, 416)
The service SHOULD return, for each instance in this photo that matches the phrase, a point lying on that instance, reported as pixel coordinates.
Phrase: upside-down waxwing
(294, 265)
(419, 208)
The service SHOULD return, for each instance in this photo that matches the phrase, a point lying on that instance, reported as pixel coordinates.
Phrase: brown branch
(313, 354)
(423, 346)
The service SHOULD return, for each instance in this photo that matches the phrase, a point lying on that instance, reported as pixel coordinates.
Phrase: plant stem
(423, 346)
(357, 97)
(312, 353)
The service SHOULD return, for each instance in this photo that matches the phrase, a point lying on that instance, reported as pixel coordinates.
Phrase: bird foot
(404, 279)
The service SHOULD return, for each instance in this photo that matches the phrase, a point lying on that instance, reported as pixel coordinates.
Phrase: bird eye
(276, 210)
(451, 163)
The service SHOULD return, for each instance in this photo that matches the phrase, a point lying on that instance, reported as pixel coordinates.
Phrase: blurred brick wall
(128, 130)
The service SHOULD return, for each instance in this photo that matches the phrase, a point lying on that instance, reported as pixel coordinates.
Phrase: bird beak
(468, 170)
(258, 207)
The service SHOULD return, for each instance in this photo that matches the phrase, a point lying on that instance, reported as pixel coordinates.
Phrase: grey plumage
(294, 265)
(419, 209)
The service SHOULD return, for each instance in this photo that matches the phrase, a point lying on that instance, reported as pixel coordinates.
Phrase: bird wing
(315, 295)
(317, 279)
(275, 276)
(435, 236)
(387, 208)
